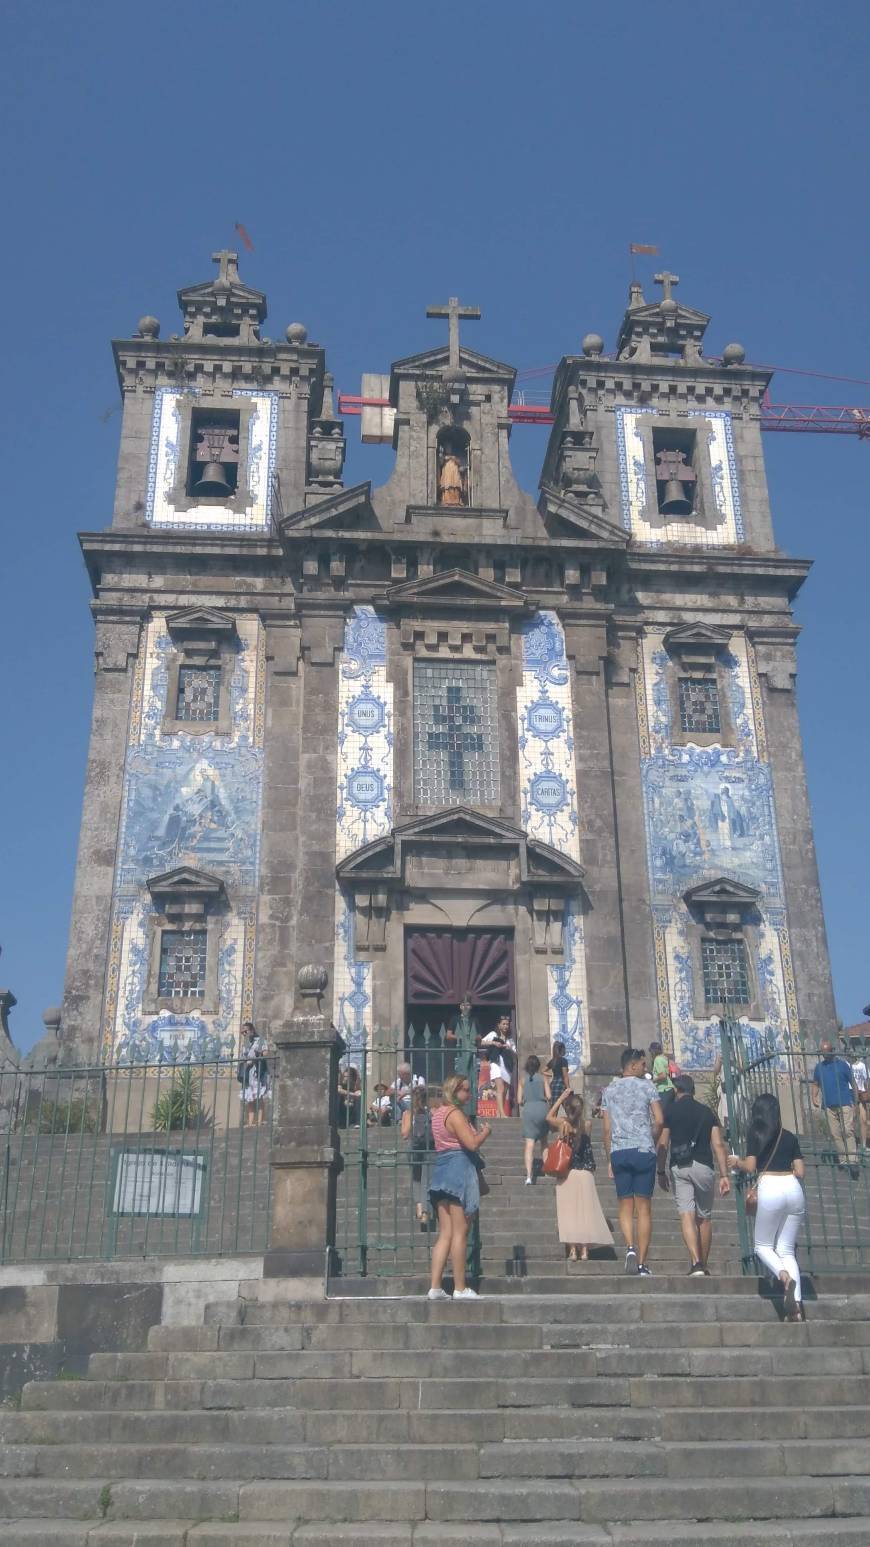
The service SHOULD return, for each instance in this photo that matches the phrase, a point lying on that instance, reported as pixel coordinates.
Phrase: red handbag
(557, 1160)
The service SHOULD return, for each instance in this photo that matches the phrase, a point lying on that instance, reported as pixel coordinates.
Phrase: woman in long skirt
(579, 1216)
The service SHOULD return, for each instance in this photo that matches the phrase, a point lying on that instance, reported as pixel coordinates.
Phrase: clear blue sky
(384, 156)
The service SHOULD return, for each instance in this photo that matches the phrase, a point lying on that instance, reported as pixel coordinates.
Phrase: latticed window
(199, 693)
(699, 705)
(726, 972)
(182, 963)
(455, 734)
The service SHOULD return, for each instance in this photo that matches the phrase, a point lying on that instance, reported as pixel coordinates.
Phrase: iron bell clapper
(675, 502)
(213, 481)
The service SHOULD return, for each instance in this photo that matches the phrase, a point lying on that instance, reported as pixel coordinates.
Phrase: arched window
(452, 465)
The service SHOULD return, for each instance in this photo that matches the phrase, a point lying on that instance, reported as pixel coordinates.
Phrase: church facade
(442, 736)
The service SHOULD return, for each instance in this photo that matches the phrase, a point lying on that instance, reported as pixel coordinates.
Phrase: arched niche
(453, 466)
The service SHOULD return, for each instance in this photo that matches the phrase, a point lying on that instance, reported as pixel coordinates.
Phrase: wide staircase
(570, 1404)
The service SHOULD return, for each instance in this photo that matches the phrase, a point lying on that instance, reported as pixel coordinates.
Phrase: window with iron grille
(699, 705)
(726, 972)
(455, 734)
(182, 963)
(199, 693)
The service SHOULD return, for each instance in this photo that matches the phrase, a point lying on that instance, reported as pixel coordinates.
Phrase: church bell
(675, 502)
(213, 481)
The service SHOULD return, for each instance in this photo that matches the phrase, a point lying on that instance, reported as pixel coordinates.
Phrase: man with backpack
(697, 1149)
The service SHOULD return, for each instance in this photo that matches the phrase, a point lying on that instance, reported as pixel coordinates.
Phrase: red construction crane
(793, 418)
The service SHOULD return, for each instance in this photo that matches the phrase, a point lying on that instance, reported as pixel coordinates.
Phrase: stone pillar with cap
(305, 1156)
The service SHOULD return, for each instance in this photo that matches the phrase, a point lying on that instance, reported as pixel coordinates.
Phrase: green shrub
(78, 1115)
(181, 1105)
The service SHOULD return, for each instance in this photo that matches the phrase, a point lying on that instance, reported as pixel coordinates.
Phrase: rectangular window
(726, 972)
(199, 693)
(213, 468)
(699, 705)
(182, 964)
(455, 734)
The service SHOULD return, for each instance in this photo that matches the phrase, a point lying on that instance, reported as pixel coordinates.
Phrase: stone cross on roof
(229, 265)
(667, 282)
(453, 311)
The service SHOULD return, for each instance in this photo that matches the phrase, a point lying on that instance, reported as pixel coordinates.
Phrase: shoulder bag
(750, 1198)
(557, 1160)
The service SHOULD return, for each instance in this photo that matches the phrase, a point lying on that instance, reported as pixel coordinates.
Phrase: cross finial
(228, 264)
(453, 311)
(667, 282)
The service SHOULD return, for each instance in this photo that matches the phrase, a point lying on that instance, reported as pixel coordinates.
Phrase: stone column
(305, 1157)
(643, 1020)
(117, 645)
(806, 924)
(586, 642)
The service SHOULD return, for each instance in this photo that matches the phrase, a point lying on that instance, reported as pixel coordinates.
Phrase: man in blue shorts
(633, 1121)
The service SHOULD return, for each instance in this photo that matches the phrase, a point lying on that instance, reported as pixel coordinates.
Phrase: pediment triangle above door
(455, 588)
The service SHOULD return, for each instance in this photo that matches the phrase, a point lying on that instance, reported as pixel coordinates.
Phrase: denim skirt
(455, 1180)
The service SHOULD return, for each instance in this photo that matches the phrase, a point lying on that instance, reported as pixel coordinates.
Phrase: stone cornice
(178, 362)
(773, 570)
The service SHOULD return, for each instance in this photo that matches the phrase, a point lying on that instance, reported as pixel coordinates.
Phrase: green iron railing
(836, 1234)
(383, 1177)
(131, 1161)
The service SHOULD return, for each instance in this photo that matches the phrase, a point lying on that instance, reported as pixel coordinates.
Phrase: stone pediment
(455, 590)
(722, 900)
(385, 860)
(195, 622)
(432, 361)
(186, 891)
(581, 517)
(345, 511)
(696, 638)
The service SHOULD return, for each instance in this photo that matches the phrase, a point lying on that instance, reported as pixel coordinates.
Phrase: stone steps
(619, 1412)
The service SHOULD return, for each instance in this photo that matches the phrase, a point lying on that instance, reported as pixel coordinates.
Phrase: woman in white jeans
(775, 1154)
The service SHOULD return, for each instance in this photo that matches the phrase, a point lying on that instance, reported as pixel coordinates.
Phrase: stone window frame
(182, 927)
(185, 899)
(187, 404)
(461, 662)
(693, 659)
(201, 639)
(473, 641)
(733, 916)
(706, 517)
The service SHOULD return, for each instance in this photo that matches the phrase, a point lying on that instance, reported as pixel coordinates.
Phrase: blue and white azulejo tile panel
(364, 799)
(545, 728)
(163, 469)
(187, 800)
(548, 803)
(637, 497)
(709, 811)
(364, 796)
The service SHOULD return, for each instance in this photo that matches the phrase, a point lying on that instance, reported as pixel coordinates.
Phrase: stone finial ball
(668, 307)
(733, 354)
(593, 344)
(148, 327)
(297, 333)
(312, 981)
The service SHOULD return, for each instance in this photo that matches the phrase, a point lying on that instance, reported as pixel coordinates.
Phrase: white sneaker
(528, 1181)
(465, 1294)
(437, 1294)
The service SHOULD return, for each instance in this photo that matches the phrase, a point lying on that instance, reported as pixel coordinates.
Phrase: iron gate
(383, 1177)
(836, 1233)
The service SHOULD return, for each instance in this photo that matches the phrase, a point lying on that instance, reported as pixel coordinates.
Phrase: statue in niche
(452, 468)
